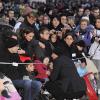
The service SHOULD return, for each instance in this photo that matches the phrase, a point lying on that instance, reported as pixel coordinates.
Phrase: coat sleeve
(92, 49)
(40, 69)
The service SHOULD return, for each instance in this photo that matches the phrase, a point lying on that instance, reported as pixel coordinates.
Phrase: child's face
(46, 61)
(30, 67)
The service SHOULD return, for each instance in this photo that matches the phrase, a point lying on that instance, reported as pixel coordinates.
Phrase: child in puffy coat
(42, 69)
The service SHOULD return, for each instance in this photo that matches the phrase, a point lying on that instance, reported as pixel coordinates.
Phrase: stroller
(91, 86)
(91, 83)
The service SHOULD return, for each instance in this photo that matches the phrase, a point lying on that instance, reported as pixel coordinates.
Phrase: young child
(42, 69)
(29, 68)
(30, 75)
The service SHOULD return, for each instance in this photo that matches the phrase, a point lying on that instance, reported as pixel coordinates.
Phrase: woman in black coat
(64, 80)
(27, 42)
(73, 49)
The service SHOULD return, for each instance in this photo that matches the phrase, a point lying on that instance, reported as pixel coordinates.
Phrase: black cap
(10, 42)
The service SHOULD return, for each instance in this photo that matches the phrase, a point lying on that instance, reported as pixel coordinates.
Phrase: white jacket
(94, 51)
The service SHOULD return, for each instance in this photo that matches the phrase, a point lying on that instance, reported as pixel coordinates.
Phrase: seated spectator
(95, 13)
(55, 24)
(28, 43)
(71, 23)
(46, 21)
(29, 70)
(12, 20)
(79, 15)
(53, 40)
(84, 31)
(94, 50)
(64, 24)
(44, 38)
(42, 69)
(30, 20)
(31, 75)
(87, 11)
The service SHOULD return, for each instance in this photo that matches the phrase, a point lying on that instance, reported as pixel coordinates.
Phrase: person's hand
(63, 30)
(48, 72)
(52, 31)
(41, 45)
(94, 33)
(1, 86)
(21, 51)
(97, 39)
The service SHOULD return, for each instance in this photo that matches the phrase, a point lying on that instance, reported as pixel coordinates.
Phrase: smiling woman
(26, 40)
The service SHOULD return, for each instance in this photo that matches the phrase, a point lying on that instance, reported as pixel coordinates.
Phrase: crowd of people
(44, 46)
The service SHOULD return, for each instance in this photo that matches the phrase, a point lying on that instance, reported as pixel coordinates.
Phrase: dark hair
(95, 8)
(25, 31)
(10, 10)
(81, 43)
(67, 34)
(27, 62)
(87, 8)
(7, 34)
(98, 17)
(55, 16)
(63, 14)
(43, 29)
(80, 7)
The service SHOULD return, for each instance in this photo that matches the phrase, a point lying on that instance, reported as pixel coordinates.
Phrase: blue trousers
(31, 88)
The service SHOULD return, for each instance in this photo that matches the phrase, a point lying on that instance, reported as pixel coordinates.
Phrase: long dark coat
(65, 77)
(9, 70)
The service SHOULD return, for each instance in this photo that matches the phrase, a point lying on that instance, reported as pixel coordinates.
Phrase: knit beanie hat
(10, 42)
